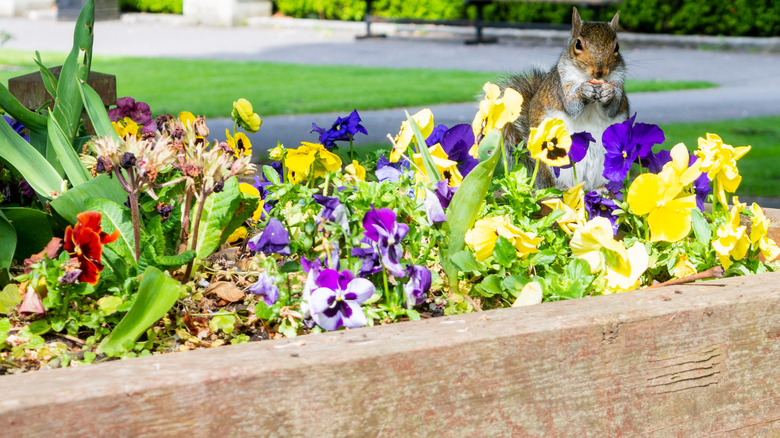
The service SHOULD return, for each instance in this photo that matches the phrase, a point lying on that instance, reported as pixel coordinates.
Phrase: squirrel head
(594, 46)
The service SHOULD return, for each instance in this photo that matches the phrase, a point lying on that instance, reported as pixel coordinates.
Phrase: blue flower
(18, 127)
(701, 185)
(336, 300)
(266, 287)
(416, 289)
(456, 142)
(368, 254)
(343, 129)
(273, 240)
(655, 162)
(625, 143)
(436, 135)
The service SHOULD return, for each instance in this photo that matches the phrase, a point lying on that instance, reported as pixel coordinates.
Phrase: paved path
(748, 80)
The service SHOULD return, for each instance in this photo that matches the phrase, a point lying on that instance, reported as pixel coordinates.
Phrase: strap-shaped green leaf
(33, 167)
(466, 204)
(97, 111)
(156, 295)
(66, 154)
(75, 200)
(427, 159)
(7, 242)
(33, 229)
(15, 109)
(49, 80)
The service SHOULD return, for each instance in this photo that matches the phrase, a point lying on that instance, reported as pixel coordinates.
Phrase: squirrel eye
(617, 47)
(578, 45)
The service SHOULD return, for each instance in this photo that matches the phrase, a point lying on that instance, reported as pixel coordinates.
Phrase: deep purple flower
(418, 285)
(26, 189)
(625, 143)
(370, 261)
(71, 276)
(343, 129)
(436, 135)
(597, 205)
(336, 301)
(387, 171)
(139, 112)
(580, 142)
(382, 228)
(616, 188)
(655, 162)
(266, 287)
(456, 142)
(701, 185)
(273, 240)
(333, 210)
(436, 201)
(17, 127)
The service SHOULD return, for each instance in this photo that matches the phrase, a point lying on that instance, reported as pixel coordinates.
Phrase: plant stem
(136, 224)
(185, 217)
(195, 226)
(503, 158)
(533, 177)
(387, 291)
(351, 151)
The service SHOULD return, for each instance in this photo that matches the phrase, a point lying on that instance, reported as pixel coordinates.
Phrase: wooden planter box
(688, 360)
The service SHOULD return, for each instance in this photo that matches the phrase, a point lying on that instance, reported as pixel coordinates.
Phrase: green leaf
(700, 227)
(465, 206)
(7, 242)
(97, 112)
(156, 295)
(218, 211)
(427, 159)
(9, 298)
(75, 200)
(224, 322)
(49, 80)
(504, 252)
(491, 285)
(66, 154)
(174, 261)
(465, 262)
(109, 304)
(116, 217)
(290, 267)
(33, 229)
(14, 108)
(271, 175)
(28, 162)
(514, 284)
(244, 211)
(5, 326)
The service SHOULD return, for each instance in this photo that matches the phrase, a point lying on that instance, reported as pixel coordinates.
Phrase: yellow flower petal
(530, 295)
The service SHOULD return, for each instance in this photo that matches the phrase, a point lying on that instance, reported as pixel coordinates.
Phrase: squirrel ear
(614, 23)
(576, 22)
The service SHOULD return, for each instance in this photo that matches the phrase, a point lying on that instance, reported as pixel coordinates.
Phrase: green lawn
(209, 87)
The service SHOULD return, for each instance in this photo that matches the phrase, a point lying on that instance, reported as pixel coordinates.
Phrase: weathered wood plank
(675, 361)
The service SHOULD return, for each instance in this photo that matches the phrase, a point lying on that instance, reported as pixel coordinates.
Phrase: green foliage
(710, 17)
(164, 6)
(156, 295)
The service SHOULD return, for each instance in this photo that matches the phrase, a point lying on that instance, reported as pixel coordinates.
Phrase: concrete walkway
(748, 79)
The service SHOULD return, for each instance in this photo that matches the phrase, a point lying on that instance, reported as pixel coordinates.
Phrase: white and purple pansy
(335, 302)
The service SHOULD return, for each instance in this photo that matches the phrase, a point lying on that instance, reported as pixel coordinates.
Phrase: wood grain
(686, 360)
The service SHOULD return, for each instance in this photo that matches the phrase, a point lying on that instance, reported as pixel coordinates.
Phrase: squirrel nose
(599, 73)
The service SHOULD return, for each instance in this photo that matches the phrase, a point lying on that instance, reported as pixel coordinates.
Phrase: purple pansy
(17, 127)
(273, 240)
(616, 188)
(580, 142)
(625, 143)
(370, 261)
(416, 289)
(387, 171)
(266, 287)
(597, 205)
(333, 210)
(655, 162)
(382, 229)
(437, 200)
(456, 142)
(335, 302)
(139, 112)
(701, 185)
(343, 129)
(436, 135)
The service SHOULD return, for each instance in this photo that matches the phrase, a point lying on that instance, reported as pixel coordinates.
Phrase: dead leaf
(226, 290)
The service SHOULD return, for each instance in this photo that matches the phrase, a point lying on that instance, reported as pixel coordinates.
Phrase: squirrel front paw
(597, 91)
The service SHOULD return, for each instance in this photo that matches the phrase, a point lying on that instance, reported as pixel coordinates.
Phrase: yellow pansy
(719, 160)
(251, 190)
(495, 110)
(572, 206)
(482, 238)
(240, 144)
(619, 279)
(127, 127)
(531, 294)
(186, 118)
(677, 174)
(759, 239)
(244, 115)
(447, 168)
(550, 143)
(668, 216)
(684, 268)
(590, 242)
(307, 158)
(732, 242)
(355, 172)
(424, 120)
(240, 233)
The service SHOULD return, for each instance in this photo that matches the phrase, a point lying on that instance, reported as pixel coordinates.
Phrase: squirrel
(585, 89)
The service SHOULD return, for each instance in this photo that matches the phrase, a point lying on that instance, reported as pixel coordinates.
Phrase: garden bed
(666, 361)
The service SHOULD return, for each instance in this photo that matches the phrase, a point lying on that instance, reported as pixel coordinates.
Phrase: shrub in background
(709, 17)
(161, 6)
